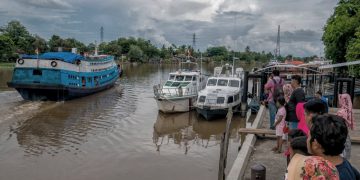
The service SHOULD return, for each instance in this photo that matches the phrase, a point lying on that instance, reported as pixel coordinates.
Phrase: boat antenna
(235, 44)
(200, 62)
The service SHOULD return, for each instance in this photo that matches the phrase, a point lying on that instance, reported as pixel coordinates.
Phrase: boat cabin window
(212, 82)
(183, 84)
(179, 78)
(234, 83)
(202, 99)
(188, 78)
(175, 84)
(230, 99)
(172, 77)
(37, 72)
(194, 78)
(168, 83)
(236, 97)
(220, 100)
(222, 82)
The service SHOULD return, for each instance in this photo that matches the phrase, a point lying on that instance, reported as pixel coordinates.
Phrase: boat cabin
(221, 91)
(180, 80)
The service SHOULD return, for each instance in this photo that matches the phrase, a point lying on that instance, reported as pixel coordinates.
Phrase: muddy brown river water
(115, 134)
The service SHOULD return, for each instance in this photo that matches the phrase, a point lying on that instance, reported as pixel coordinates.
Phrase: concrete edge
(237, 170)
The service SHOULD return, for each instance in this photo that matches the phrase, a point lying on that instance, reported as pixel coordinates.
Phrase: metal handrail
(175, 92)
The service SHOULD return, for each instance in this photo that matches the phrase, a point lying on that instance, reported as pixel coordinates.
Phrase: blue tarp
(64, 56)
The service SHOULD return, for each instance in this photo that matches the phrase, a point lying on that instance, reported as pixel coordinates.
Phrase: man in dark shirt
(327, 139)
(297, 96)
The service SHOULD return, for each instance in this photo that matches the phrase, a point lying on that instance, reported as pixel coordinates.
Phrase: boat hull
(210, 114)
(55, 93)
(175, 105)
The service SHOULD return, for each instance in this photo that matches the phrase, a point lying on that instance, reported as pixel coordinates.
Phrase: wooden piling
(224, 145)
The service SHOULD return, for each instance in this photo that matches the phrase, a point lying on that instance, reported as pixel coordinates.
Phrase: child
(280, 123)
(298, 145)
(294, 133)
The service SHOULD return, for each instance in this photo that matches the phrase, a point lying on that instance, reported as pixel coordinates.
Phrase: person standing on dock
(297, 96)
(312, 108)
(275, 88)
(345, 111)
(319, 95)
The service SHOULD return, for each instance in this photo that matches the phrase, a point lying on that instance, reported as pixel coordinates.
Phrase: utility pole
(194, 41)
(101, 34)
(277, 50)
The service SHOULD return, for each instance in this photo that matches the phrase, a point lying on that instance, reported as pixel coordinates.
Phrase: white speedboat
(180, 91)
(222, 91)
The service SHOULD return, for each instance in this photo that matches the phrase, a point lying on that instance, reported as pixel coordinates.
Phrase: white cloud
(174, 21)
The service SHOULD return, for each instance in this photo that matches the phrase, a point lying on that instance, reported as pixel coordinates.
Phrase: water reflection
(188, 129)
(67, 124)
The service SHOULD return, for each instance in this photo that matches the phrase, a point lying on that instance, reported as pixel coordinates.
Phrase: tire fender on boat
(53, 63)
(20, 61)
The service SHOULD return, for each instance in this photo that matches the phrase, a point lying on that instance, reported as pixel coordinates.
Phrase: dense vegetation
(15, 39)
(342, 34)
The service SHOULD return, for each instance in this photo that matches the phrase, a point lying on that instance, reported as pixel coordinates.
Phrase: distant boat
(179, 92)
(222, 91)
(63, 75)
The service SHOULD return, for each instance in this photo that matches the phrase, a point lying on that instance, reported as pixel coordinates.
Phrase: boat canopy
(64, 56)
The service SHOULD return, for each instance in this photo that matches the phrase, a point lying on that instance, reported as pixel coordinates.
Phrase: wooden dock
(254, 150)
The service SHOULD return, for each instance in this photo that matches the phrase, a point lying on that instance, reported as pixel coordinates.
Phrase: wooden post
(224, 146)
(335, 93)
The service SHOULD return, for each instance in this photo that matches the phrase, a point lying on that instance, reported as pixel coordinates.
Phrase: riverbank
(7, 65)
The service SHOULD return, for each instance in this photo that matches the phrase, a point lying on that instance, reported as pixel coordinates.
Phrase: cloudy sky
(232, 23)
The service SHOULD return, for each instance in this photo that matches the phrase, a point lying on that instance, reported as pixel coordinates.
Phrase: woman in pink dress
(280, 123)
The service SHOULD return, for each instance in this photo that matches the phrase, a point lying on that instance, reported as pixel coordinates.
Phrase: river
(114, 134)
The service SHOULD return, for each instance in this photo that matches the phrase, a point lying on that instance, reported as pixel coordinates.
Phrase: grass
(7, 65)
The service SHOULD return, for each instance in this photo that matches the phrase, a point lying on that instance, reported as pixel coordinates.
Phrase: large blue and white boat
(63, 75)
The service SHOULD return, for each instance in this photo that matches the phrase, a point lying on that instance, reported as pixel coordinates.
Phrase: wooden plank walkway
(272, 132)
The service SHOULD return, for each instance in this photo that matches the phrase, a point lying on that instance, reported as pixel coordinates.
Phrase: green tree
(340, 30)
(353, 53)
(20, 37)
(135, 53)
(55, 42)
(112, 48)
(7, 48)
(217, 51)
(40, 43)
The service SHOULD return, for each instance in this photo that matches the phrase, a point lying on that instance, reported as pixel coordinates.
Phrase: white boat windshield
(222, 82)
(212, 82)
(188, 78)
(234, 83)
(179, 78)
(172, 77)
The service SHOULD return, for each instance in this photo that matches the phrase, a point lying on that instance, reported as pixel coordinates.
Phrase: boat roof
(184, 73)
(64, 56)
(286, 66)
(225, 77)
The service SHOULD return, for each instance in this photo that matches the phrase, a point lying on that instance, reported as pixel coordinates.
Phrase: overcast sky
(232, 23)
